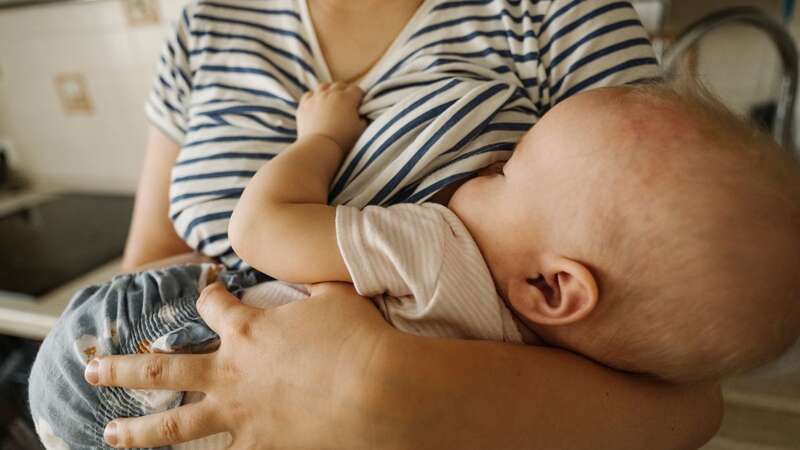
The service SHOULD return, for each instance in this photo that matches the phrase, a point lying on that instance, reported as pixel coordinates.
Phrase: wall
(100, 149)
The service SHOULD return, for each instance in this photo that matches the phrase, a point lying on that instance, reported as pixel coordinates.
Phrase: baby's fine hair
(701, 277)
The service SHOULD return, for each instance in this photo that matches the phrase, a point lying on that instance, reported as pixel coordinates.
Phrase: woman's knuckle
(169, 429)
(154, 369)
(229, 371)
(243, 329)
(108, 372)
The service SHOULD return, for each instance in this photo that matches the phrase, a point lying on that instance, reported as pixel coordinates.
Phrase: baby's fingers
(183, 424)
(355, 90)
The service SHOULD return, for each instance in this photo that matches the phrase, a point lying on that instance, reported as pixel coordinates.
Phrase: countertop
(33, 318)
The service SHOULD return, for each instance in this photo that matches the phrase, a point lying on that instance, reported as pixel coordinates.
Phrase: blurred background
(73, 79)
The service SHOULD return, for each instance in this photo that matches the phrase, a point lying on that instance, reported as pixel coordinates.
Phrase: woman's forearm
(443, 393)
(152, 236)
(329, 372)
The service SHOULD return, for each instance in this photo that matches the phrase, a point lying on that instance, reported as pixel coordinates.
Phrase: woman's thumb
(217, 306)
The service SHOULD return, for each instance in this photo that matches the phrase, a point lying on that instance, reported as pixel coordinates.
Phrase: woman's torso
(248, 62)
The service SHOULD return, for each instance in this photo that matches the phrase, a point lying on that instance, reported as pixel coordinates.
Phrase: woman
(280, 379)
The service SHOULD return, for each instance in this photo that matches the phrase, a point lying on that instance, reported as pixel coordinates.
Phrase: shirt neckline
(385, 59)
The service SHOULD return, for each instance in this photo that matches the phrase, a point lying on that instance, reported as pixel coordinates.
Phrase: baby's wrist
(320, 137)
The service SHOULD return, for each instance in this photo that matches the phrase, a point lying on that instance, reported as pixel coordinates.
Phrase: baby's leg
(131, 314)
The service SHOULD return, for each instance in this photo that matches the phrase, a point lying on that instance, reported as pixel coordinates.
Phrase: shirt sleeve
(589, 44)
(166, 107)
(395, 250)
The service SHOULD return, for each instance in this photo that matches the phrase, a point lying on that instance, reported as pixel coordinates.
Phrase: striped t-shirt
(458, 87)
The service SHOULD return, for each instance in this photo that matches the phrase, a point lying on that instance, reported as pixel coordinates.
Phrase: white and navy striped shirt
(461, 83)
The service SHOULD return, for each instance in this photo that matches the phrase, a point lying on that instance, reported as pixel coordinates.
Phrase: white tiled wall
(103, 149)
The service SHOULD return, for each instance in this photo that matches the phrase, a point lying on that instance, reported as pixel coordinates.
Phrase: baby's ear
(563, 293)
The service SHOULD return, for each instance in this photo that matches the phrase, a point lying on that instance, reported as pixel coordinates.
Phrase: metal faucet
(783, 127)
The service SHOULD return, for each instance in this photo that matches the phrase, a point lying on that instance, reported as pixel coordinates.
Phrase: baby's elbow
(246, 230)
(237, 230)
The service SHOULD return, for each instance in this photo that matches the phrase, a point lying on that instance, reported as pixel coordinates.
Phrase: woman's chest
(249, 69)
(352, 43)
(265, 63)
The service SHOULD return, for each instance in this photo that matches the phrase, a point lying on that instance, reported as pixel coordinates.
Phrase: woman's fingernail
(110, 434)
(92, 373)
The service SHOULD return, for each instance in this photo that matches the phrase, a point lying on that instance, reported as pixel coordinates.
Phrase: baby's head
(647, 228)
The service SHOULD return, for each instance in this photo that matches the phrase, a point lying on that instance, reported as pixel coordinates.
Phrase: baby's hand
(332, 110)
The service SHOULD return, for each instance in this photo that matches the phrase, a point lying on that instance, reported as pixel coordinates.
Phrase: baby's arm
(282, 225)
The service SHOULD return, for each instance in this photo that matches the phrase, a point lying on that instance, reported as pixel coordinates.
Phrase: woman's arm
(282, 224)
(488, 395)
(328, 372)
(151, 236)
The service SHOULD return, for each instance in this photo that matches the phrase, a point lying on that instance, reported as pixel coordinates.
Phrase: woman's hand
(328, 372)
(286, 377)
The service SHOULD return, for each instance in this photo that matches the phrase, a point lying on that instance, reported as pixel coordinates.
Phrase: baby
(651, 231)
